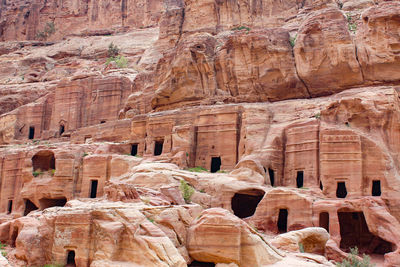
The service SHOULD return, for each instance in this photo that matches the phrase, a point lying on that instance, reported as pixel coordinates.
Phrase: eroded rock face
(378, 43)
(325, 54)
(216, 229)
(213, 105)
(37, 19)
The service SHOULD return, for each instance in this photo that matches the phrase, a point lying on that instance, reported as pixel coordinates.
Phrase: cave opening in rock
(341, 191)
(44, 161)
(321, 186)
(376, 188)
(31, 132)
(271, 174)
(282, 220)
(324, 220)
(102, 122)
(201, 264)
(62, 129)
(215, 164)
(52, 202)
(134, 149)
(9, 208)
(93, 188)
(29, 206)
(354, 232)
(71, 258)
(300, 179)
(158, 147)
(244, 203)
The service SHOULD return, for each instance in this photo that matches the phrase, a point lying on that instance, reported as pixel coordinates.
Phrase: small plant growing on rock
(3, 252)
(351, 23)
(114, 56)
(292, 40)
(48, 30)
(37, 173)
(239, 28)
(317, 115)
(354, 261)
(198, 169)
(187, 191)
(113, 50)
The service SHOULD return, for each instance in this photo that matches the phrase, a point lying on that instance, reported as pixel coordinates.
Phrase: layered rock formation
(199, 133)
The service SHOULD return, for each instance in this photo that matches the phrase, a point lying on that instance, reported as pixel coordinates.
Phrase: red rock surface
(225, 133)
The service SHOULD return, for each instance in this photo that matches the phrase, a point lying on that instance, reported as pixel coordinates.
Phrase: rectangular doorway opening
(341, 191)
(300, 179)
(9, 208)
(134, 149)
(215, 164)
(324, 220)
(376, 188)
(71, 258)
(93, 188)
(282, 220)
(158, 147)
(31, 132)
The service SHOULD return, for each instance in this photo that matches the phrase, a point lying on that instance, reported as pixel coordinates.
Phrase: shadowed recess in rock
(201, 264)
(244, 203)
(324, 220)
(215, 164)
(355, 233)
(48, 202)
(44, 161)
(376, 188)
(282, 220)
(29, 206)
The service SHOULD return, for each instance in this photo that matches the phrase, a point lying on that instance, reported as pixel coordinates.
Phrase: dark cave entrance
(271, 174)
(324, 220)
(282, 220)
(62, 129)
(71, 258)
(29, 206)
(215, 164)
(9, 208)
(31, 132)
(321, 186)
(300, 179)
(134, 149)
(93, 188)
(354, 232)
(201, 264)
(341, 191)
(244, 203)
(376, 188)
(44, 161)
(52, 202)
(158, 147)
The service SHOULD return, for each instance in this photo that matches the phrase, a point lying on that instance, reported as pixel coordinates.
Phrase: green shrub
(317, 115)
(292, 40)
(52, 172)
(198, 169)
(239, 28)
(48, 30)
(352, 26)
(37, 173)
(353, 260)
(113, 50)
(187, 191)
(120, 61)
(3, 252)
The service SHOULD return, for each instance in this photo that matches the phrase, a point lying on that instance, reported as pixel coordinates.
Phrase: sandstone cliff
(199, 133)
